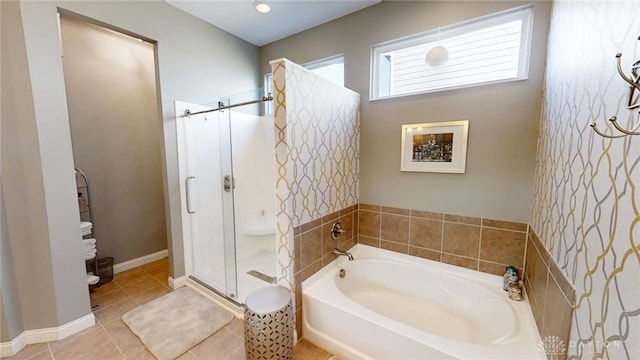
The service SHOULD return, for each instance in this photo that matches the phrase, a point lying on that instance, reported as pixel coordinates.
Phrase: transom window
(486, 50)
(331, 68)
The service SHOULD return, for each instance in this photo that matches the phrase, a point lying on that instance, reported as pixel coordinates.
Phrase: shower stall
(249, 183)
(226, 164)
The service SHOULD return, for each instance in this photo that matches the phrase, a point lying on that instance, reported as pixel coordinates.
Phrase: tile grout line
(480, 242)
(50, 352)
(442, 239)
(111, 339)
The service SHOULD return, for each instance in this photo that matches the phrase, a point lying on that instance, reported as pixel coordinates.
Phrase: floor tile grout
(159, 268)
(112, 340)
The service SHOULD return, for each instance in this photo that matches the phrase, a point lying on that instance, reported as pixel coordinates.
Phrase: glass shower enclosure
(227, 164)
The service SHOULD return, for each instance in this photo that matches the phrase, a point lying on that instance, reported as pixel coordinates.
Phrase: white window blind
(490, 49)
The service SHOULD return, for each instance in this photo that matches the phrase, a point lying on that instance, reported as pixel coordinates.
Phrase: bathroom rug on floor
(174, 323)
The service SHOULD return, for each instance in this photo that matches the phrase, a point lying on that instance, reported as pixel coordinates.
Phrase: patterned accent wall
(586, 204)
(317, 137)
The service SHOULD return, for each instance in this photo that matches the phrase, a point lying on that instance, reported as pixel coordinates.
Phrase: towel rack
(86, 213)
(632, 103)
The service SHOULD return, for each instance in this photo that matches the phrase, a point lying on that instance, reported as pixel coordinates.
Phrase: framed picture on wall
(435, 147)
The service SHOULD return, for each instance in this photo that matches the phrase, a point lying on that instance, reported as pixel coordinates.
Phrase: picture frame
(439, 147)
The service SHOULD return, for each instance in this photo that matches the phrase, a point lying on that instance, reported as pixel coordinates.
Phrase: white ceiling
(287, 17)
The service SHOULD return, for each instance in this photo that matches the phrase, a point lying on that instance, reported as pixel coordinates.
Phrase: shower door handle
(229, 183)
(187, 188)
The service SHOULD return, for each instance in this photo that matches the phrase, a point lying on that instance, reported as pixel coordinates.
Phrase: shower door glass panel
(253, 155)
(208, 156)
(230, 191)
(226, 166)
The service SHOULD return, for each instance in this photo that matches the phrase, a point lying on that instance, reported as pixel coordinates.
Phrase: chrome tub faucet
(339, 252)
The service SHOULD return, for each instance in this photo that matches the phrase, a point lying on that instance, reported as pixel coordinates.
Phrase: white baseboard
(177, 282)
(130, 264)
(12, 347)
(45, 335)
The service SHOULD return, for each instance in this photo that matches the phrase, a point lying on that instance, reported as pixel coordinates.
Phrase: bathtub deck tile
(463, 219)
(394, 228)
(310, 225)
(394, 246)
(425, 253)
(370, 207)
(495, 268)
(427, 214)
(426, 233)
(461, 239)
(369, 223)
(502, 246)
(507, 225)
(331, 218)
(310, 270)
(346, 221)
(368, 241)
(310, 247)
(460, 261)
(348, 210)
(393, 210)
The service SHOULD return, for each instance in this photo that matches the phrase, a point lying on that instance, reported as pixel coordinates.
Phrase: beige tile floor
(111, 339)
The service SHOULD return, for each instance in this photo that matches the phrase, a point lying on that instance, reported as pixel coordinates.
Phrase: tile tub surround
(550, 294)
(481, 244)
(314, 246)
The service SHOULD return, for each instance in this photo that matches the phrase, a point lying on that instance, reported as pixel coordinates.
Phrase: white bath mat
(174, 323)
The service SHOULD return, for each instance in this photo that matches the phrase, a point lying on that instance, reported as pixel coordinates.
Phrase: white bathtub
(394, 306)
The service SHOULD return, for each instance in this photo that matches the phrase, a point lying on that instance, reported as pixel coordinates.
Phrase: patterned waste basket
(268, 324)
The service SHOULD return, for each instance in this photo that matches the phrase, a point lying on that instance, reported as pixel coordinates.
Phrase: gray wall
(37, 182)
(10, 315)
(116, 132)
(503, 118)
(196, 62)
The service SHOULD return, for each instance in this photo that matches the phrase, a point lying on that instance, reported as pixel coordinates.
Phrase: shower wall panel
(253, 150)
(253, 172)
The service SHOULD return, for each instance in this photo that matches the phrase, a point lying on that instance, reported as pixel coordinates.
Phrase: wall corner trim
(177, 282)
(47, 334)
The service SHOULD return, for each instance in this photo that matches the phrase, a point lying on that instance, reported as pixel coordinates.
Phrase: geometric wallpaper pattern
(587, 188)
(317, 152)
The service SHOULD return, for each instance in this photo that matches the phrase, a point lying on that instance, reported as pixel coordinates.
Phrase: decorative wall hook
(614, 122)
(632, 103)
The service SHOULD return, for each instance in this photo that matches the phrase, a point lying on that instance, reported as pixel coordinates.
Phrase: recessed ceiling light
(262, 7)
